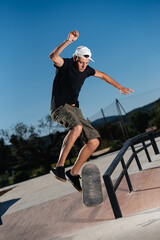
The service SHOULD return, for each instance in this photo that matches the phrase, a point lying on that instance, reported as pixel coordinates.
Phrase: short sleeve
(90, 71)
(65, 64)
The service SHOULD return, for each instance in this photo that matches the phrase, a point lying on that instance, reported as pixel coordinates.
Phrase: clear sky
(123, 35)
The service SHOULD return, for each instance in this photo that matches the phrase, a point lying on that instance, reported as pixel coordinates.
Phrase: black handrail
(110, 187)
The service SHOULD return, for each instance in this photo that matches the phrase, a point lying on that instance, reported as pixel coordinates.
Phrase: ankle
(73, 173)
(59, 166)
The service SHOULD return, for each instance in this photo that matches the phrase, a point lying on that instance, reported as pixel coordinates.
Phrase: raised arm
(111, 81)
(54, 55)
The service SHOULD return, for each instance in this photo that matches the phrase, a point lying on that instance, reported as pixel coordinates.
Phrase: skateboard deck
(91, 186)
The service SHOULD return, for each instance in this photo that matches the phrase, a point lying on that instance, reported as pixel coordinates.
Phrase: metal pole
(110, 133)
(146, 151)
(112, 196)
(154, 145)
(123, 127)
(103, 116)
(136, 157)
(127, 175)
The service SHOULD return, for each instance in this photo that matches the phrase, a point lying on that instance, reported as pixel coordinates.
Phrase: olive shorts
(69, 117)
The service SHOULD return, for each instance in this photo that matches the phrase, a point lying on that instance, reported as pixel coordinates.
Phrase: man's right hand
(73, 35)
(54, 55)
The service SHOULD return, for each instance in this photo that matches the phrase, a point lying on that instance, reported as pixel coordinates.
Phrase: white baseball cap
(83, 52)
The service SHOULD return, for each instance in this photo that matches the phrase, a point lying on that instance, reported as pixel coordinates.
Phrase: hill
(111, 119)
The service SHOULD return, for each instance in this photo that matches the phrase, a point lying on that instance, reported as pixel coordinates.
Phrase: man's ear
(74, 58)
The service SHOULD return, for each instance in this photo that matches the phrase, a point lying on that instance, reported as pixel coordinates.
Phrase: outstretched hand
(73, 35)
(124, 90)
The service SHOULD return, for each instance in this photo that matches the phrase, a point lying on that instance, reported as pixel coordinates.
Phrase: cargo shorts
(70, 116)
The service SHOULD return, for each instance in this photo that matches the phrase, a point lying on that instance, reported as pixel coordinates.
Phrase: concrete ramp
(65, 215)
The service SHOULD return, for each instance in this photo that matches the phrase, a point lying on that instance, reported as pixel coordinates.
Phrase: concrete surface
(45, 208)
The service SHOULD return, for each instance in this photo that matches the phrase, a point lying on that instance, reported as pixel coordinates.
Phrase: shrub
(20, 176)
(4, 180)
(116, 145)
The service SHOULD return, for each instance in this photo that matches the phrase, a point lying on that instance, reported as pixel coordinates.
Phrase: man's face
(82, 63)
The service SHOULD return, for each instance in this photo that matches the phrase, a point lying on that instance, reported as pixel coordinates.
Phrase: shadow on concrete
(5, 205)
(5, 191)
(146, 189)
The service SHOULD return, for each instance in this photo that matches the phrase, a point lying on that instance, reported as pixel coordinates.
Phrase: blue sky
(123, 36)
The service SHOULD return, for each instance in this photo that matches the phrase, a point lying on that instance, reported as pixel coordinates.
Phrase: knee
(94, 143)
(77, 130)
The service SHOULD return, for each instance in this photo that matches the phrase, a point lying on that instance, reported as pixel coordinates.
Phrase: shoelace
(78, 176)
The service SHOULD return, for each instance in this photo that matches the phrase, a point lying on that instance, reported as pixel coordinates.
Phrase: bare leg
(68, 144)
(84, 154)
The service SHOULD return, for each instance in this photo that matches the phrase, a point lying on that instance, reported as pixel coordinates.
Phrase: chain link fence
(113, 121)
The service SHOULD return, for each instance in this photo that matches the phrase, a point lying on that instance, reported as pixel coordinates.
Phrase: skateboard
(91, 186)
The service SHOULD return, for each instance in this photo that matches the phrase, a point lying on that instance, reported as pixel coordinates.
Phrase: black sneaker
(74, 180)
(59, 173)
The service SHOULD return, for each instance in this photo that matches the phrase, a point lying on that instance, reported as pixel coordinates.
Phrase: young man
(70, 76)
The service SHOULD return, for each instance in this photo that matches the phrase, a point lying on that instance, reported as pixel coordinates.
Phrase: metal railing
(110, 187)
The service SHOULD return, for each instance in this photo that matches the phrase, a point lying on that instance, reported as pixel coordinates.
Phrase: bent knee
(77, 130)
(94, 143)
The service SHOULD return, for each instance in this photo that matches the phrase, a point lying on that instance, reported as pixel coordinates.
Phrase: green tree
(6, 163)
(20, 130)
(47, 126)
(155, 116)
(5, 157)
(33, 149)
(138, 122)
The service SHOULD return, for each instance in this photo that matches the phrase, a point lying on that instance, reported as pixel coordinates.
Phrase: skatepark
(45, 208)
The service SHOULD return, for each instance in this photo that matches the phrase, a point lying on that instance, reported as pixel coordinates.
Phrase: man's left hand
(124, 90)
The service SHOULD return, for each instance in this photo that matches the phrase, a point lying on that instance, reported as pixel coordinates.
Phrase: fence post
(154, 145)
(112, 196)
(136, 157)
(126, 175)
(103, 116)
(146, 151)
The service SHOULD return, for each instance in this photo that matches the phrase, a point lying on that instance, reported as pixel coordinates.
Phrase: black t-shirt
(67, 83)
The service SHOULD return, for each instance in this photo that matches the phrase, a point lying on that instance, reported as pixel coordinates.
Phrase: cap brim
(78, 55)
(90, 59)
